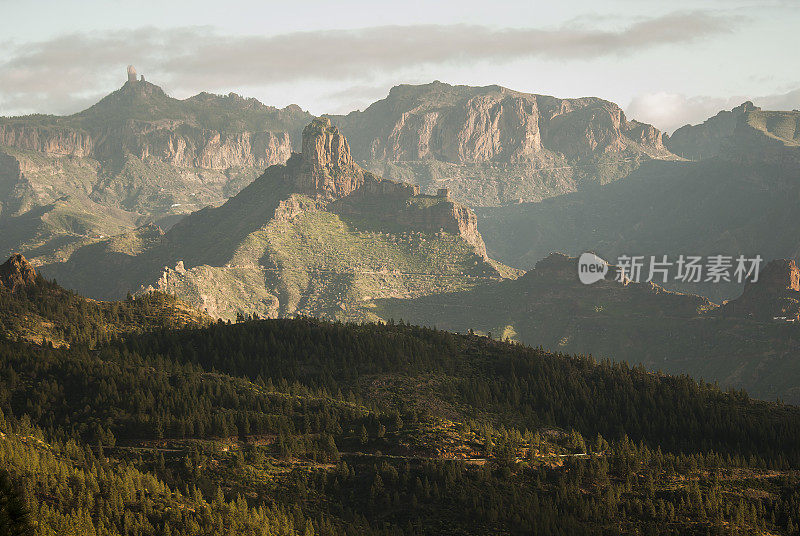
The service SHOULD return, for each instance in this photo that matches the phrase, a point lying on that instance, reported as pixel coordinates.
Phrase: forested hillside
(36, 310)
(307, 427)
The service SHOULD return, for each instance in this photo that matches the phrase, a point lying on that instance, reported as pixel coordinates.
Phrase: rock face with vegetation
(136, 156)
(492, 145)
(317, 235)
(39, 311)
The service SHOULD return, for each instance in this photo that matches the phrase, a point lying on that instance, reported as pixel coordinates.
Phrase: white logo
(591, 268)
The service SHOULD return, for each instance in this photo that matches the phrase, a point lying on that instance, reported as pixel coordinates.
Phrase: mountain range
(139, 156)
(317, 235)
(741, 198)
(163, 403)
(362, 216)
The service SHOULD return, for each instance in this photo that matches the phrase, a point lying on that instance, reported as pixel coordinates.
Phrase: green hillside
(39, 311)
(304, 427)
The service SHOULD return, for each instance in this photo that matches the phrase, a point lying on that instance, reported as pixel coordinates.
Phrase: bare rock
(17, 273)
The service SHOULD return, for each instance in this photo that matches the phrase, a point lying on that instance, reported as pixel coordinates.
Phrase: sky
(666, 63)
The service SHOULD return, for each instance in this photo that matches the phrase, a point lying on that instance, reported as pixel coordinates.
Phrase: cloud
(65, 69)
(670, 111)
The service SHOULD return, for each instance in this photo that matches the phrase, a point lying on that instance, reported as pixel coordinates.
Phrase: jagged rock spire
(327, 166)
(324, 146)
(16, 273)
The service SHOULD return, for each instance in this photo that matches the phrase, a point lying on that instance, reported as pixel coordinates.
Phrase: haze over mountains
(740, 198)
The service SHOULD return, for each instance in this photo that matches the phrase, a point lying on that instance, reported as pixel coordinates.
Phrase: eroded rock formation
(492, 124)
(17, 273)
(326, 168)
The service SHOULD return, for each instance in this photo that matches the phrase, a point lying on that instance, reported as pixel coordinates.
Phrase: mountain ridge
(492, 145)
(317, 235)
(35, 310)
(136, 156)
(741, 343)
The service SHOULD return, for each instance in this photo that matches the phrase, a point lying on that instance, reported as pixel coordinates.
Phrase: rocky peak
(324, 147)
(326, 166)
(17, 273)
(713, 136)
(746, 106)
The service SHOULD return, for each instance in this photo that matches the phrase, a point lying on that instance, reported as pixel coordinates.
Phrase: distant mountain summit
(318, 235)
(136, 156)
(746, 133)
(492, 145)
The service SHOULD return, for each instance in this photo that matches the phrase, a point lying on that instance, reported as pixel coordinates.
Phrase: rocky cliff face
(326, 165)
(16, 273)
(493, 146)
(470, 124)
(745, 134)
(775, 296)
(170, 142)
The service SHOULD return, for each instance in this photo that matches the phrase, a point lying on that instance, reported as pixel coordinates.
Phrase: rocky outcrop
(326, 165)
(774, 296)
(707, 140)
(16, 273)
(492, 124)
(326, 169)
(447, 216)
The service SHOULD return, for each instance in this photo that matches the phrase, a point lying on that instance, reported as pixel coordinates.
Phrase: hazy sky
(667, 63)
